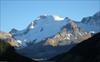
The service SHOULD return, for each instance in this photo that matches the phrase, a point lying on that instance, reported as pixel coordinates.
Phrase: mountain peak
(13, 31)
(54, 17)
(41, 17)
(57, 18)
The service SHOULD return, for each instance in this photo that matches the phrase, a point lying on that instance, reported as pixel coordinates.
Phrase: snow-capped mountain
(50, 35)
(42, 28)
(46, 26)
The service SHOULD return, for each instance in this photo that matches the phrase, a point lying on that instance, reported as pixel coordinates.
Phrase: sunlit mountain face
(51, 35)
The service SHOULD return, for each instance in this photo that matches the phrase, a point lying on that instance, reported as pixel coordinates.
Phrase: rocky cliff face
(66, 37)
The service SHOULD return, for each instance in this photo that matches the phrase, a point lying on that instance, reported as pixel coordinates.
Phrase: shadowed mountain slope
(8, 53)
(86, 51)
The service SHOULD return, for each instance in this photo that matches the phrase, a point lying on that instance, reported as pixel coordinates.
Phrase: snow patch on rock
(57, 18)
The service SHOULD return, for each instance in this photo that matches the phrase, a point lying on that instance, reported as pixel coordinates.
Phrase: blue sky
(18, 14)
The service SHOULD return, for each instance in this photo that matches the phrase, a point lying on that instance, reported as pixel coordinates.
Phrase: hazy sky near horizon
(18, 14)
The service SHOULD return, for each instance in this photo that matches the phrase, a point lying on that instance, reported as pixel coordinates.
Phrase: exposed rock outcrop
(64, 36)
